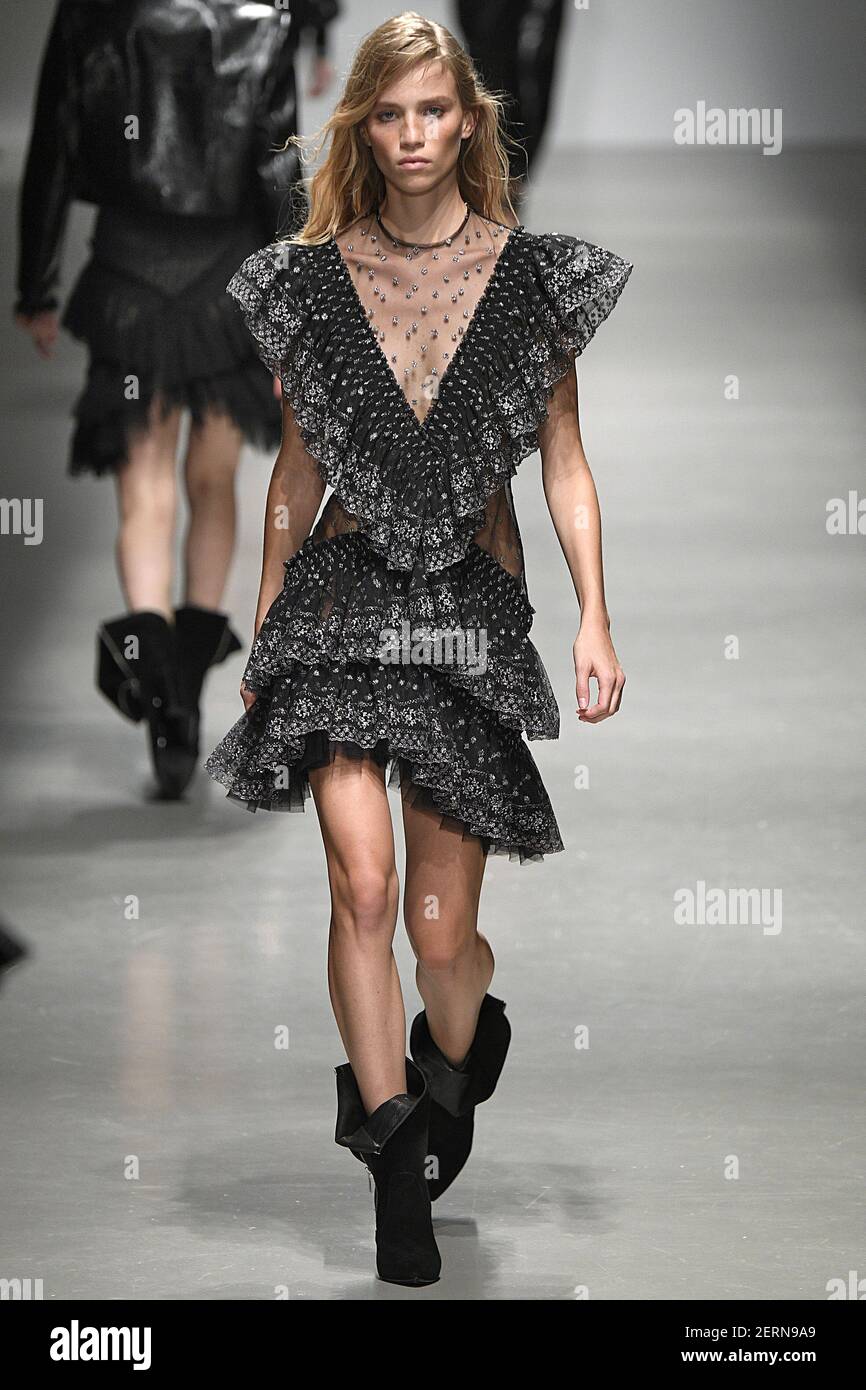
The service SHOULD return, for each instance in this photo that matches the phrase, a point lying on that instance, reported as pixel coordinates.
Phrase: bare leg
(352, 805)
(147, 502)
(211, 464)
(444, 874)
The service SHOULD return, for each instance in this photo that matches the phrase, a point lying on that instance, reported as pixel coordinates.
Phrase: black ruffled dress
(418, 379)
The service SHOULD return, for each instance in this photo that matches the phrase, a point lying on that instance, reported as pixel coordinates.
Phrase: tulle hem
(106, 424)
(399, 772)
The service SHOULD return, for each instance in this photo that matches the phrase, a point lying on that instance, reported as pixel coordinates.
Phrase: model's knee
(365, 904)
(443, 951)
(208, 481)
(153, 505)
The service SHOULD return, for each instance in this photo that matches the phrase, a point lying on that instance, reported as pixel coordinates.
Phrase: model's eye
(384, 115)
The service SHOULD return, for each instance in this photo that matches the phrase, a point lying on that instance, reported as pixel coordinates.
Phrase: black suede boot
(202, 638)
(136, 672)
(455, 1091)
(392, 1142)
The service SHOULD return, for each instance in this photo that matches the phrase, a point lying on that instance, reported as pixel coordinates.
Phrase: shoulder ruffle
(579, 285)
(272, 309)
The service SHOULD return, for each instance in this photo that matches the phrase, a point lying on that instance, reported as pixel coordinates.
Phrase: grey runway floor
(709, 1141)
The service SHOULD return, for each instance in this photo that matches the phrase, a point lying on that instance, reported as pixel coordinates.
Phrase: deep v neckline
(359, 309)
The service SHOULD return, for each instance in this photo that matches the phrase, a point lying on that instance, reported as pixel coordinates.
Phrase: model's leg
(147, 500)
(212, 457)
(538, 41)
(352, 805)
(444, 874)
(147, 503)
(383, 1103)
(492, 33)
(460, 1038)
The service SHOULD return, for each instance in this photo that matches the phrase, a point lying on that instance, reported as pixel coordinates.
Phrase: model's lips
(413, 163)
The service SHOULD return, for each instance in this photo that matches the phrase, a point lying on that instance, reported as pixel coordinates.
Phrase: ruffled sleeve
(578, 284)
(265, 288)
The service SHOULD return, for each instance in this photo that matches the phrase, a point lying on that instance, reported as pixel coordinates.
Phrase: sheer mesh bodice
(419, 304)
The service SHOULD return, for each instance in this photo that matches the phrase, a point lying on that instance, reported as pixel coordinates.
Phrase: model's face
(415, 128)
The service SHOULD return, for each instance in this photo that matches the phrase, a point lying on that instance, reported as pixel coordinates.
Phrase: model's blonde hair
(348, 184)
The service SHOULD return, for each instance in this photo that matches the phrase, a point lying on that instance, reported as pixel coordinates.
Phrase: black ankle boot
(392, 1142)
(202, 638)
(455, 1091)
(136, 672)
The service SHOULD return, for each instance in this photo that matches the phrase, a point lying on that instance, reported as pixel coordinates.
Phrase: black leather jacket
(171, 105)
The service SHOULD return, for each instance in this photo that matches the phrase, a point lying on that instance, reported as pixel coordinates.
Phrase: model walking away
(515, 46)
(425, 346)
(165, 115)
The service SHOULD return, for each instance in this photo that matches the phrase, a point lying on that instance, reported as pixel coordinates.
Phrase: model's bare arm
(573, 505)
(294, 496)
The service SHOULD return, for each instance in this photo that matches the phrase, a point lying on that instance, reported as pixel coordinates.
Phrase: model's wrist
(594, 616)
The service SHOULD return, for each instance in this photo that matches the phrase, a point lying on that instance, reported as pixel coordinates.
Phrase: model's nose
(414, 134)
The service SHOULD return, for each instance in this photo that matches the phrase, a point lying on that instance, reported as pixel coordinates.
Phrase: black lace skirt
(151, 306)
(448, 735)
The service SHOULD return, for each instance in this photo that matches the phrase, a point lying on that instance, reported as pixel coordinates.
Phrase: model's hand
(594, 656)
(249, 697)
(43, 329)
